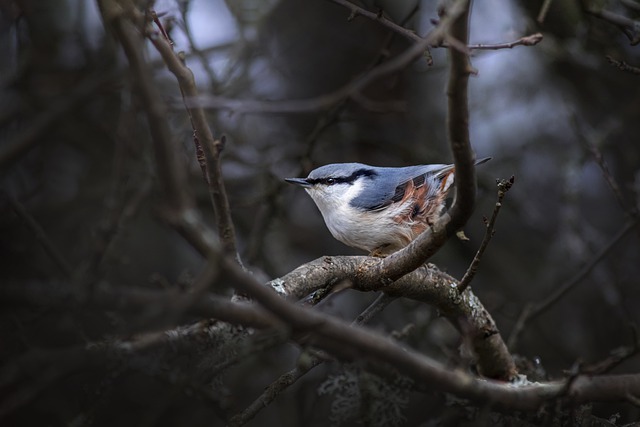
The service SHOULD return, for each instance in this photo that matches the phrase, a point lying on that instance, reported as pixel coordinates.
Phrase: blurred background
(76, 159)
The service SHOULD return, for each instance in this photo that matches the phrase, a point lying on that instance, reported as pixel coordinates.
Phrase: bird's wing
(397, 181)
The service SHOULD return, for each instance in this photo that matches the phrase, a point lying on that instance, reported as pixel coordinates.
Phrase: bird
(379, 209)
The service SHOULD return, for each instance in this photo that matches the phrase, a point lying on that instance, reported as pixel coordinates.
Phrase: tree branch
(211, 147)
(534, 310)
(170, 171)
(425, 245)
(40, 235)
(503, 187)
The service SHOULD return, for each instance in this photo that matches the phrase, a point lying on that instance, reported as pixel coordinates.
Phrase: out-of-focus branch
(337, 338)
(11, 149)
(436, 38)
(170, 172)
(591, 144)
(615, 357)
(170, 307)
(627, 25)
(531, 311)
(328, 100)
(623, 66)
(40, 235)
(542, 15)
(306, 362)
(503, 186)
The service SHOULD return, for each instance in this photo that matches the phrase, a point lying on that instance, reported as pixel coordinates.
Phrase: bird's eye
(331, 181)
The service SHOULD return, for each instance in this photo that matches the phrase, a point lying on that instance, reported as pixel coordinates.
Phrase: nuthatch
(378, 209)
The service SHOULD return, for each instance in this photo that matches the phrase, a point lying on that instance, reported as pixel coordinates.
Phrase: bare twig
(623, 66)
(503, 187)
(628, 26)
(210, 146)
(531, 311)
(40, 235)
(273, 390)
(326, 101)
(530, 40)
(118, 214)
(376, 307)
(379, 17)
(307, 361)
(204, 61)
(172, 175)
(11, 149)
(615, 357)
(543, 11)
(592, 147)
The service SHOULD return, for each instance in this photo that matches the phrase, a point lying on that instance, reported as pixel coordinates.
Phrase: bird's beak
(302, 182)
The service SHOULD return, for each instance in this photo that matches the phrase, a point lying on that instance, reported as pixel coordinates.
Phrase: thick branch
(458, 126)
(423, 247)
(426, 284)
(332, 335)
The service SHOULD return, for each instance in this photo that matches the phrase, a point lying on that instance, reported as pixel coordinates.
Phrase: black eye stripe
(342, 179)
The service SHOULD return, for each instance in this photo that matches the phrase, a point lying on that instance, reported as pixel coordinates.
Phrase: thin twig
(306, 362)
(623, 66)
(328, 100)
(503, 187)
(530, 40)
(376, 307)
(379, 17)
(12, 148)
(211, 147)
(204, 61)
(172, 176)
(606, 173)
(532, 310)
(40, 235)
(543, 11)
(615, 357)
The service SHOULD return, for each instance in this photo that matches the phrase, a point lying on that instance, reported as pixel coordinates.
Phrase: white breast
(367, 230)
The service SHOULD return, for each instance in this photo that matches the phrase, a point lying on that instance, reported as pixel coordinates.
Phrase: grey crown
(380, 183)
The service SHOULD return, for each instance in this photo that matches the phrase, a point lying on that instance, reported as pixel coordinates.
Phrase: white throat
(334, 205)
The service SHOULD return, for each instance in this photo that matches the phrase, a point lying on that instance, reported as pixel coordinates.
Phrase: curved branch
(427, 284)
(425, 245)
(326, 332)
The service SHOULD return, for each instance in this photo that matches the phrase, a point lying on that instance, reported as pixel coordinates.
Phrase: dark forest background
(81, 206)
